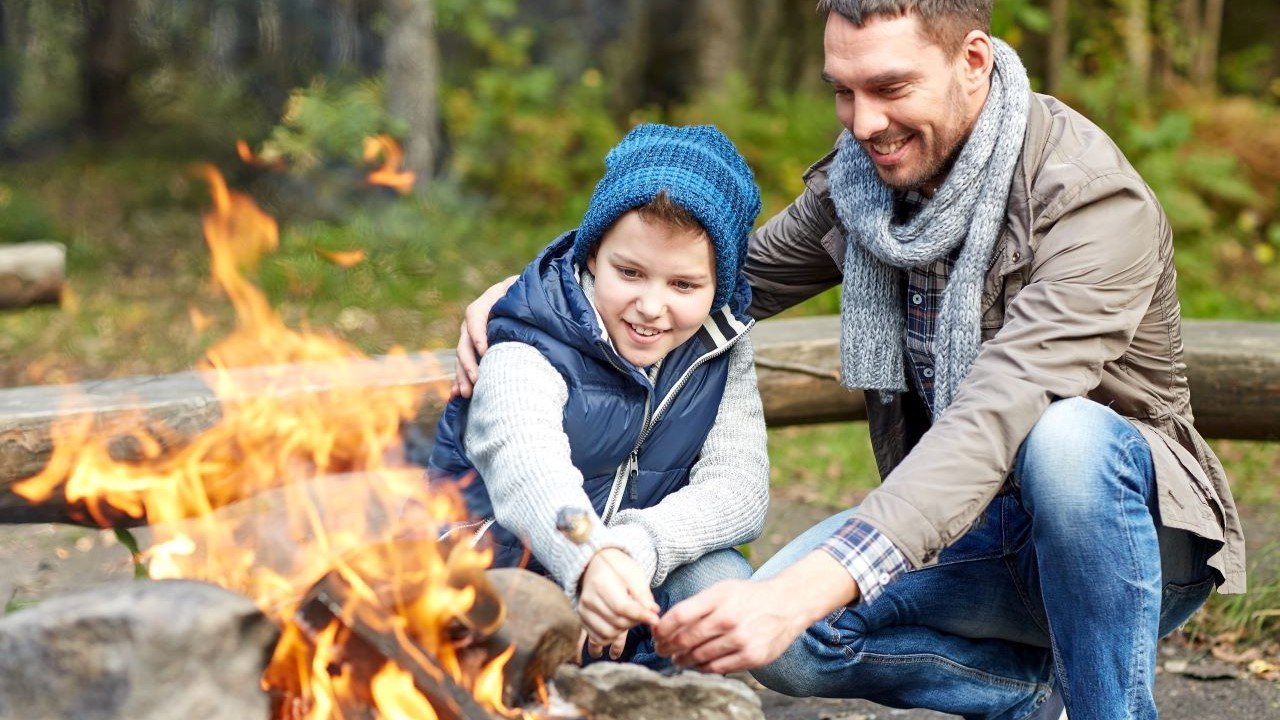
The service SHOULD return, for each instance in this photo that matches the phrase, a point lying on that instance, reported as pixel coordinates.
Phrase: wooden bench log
(31, 273)
(1234, 369)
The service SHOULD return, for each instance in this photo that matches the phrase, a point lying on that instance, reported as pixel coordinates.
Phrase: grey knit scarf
(968, 209)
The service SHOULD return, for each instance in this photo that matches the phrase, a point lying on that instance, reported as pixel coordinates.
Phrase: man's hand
(473, 339)
(742, 624)
(615, 597)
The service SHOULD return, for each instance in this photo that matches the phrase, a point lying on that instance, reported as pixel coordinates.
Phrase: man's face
(909, 104)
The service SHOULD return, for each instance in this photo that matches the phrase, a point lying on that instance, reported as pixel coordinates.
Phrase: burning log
(367, 639)
(541, 625)
(31, 273)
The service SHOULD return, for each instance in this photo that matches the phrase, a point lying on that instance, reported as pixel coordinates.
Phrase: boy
(619, 382)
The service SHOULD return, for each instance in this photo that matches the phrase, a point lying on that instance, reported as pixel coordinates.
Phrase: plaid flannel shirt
(864, 551)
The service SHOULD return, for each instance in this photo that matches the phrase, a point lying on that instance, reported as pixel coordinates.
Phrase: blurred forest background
(505, 110)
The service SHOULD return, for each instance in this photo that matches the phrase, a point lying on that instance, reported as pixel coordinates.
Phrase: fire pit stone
(622, 691)
(141, 650)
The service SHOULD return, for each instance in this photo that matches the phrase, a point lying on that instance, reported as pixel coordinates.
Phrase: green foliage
(534, 144)
(46, 61)
(1189, 182)
(1246, 71)
(24, 217)
(779, 138)
(1253, 616)
(130, 543)
(326, 123)
(425, 258)
(1010, 18)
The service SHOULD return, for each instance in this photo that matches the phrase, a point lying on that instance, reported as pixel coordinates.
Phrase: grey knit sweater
(515, 439)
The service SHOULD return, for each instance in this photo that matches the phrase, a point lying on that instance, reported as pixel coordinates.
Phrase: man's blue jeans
(1067, 580)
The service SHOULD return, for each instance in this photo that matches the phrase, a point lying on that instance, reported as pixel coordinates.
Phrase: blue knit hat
(700, 170)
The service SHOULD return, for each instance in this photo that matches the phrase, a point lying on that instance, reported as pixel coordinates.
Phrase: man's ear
(977, 54)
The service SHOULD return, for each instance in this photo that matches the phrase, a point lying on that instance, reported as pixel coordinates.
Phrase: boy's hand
(615, 597)
(597, 650)
(473, 338)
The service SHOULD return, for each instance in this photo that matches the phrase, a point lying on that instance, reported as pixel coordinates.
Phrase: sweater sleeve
(515, 438)
(725, 501)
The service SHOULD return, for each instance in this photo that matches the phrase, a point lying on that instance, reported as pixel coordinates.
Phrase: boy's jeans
(1068, 575)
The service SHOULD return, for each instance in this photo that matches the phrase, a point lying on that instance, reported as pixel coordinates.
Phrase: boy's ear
(591, 259)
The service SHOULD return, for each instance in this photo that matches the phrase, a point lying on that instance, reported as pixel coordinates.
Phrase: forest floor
(40, 561)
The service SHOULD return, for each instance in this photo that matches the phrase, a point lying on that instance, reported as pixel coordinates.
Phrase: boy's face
(654, 286)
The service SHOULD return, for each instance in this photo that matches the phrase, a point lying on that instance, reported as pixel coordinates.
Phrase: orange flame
(389, 175)
(343, 258)
(248, 157)
(330, 494)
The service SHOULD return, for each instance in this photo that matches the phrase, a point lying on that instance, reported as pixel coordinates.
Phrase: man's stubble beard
(935, 169)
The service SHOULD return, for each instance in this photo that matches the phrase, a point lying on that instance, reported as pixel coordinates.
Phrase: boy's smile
(654, 286)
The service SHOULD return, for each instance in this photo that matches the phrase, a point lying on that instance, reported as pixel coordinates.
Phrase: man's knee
(788, 676)
(1076, 452)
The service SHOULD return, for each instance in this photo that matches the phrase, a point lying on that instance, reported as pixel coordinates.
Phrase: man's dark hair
(943, 22)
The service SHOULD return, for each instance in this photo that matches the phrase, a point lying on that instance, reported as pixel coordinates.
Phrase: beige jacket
(1081, 300)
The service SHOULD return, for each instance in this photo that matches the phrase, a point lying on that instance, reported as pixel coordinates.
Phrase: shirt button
(917, 298)
(927, 372)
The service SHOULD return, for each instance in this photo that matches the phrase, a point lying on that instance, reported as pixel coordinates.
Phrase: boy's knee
(697, 575)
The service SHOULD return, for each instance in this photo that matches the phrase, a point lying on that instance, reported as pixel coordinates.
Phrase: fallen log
(1234, 370)
(31, 273)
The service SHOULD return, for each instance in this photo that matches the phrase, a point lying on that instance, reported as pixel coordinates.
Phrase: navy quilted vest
(609, 400)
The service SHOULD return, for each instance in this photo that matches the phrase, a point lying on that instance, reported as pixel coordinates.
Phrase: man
(1009, 305)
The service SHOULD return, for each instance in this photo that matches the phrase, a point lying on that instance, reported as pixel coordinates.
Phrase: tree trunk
(1137, 42)
(720, 31)
(108, 105)
(344, 35)
(1206, 66)
(413, 78)
(8, 76)
(1059, 42)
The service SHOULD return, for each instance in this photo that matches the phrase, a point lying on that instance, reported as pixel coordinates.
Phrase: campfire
(378, 617)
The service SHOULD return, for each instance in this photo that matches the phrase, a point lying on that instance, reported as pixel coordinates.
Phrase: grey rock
(141, 650)
(621, 691)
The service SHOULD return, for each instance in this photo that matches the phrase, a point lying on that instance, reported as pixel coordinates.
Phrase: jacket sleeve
(725, 501)
(790, 257)
(1091, 281)
(515, 438)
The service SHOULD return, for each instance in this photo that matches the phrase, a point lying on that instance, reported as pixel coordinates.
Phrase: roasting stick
(576, 525)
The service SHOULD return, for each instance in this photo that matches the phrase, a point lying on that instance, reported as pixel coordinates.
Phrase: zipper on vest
(627, 471)
(626, 474)
(634, 462)
(684, 379)
(484, 528)
(478, 528)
